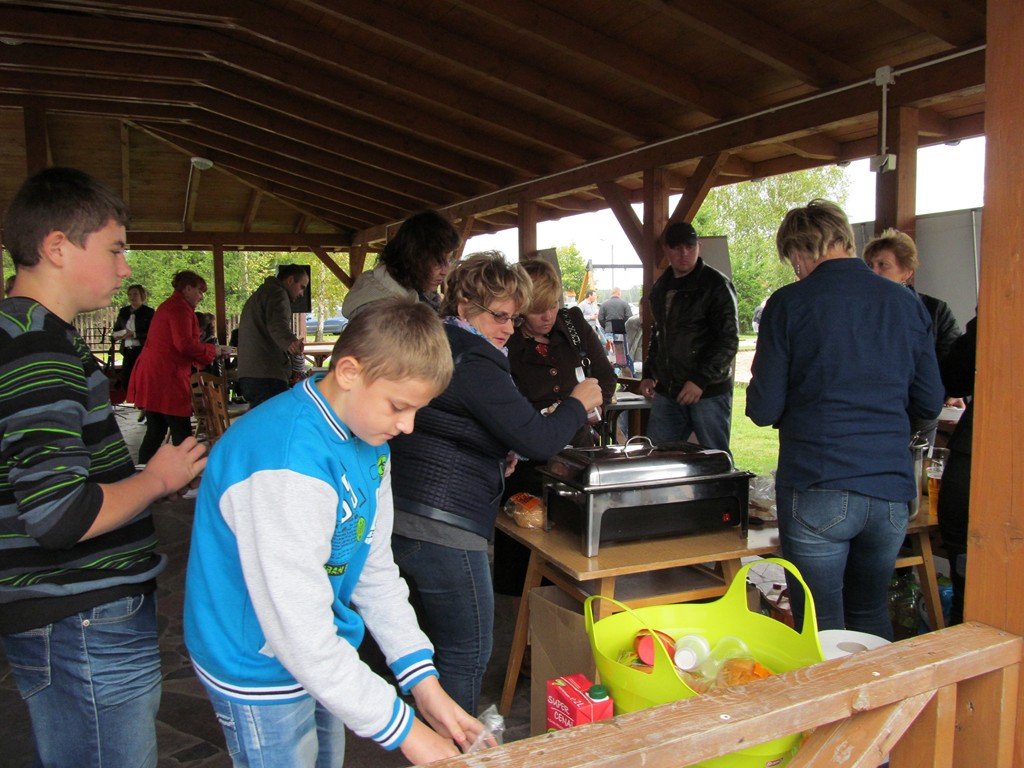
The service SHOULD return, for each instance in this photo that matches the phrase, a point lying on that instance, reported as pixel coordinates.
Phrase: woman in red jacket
(160, 381)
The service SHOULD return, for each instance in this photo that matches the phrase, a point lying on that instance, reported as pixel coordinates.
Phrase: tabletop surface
(561, 548)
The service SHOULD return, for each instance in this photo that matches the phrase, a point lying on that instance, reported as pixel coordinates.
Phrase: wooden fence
(943, 699)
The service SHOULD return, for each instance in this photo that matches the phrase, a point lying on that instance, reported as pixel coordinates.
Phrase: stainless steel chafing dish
(639, 490)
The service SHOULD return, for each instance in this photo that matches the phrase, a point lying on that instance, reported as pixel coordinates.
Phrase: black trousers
(157, 425)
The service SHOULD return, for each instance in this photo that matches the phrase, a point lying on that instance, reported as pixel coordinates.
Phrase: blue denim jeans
(92, 685)
(256, 391)
(297, 734)
(454, 601)
(710, 418)
(845, 546)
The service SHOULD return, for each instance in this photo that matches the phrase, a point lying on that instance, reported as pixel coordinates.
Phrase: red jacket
(160, 379)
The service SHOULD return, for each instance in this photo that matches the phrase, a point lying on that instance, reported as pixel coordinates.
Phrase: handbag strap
(577, 342)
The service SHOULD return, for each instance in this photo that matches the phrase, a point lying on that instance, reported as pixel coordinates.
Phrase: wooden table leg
(605, 588)
(729, 570)
(520, 636)
(927, 576)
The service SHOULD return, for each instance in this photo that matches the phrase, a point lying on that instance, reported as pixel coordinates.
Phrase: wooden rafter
(954, 21)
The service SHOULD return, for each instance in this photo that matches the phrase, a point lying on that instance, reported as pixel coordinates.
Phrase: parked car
(332, 325)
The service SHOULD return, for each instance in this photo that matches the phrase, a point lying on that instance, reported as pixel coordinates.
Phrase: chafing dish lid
(637, 463)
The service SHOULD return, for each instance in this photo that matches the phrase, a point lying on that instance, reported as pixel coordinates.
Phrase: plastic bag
(527, 510)
(490, 736)
(762, 496)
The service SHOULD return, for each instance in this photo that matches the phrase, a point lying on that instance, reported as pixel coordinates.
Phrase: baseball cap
(679, 233)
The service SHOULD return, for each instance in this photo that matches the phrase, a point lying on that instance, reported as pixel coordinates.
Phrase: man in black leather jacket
(689, 367)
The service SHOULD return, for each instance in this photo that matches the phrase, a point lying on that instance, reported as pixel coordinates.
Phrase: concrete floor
(187, 730)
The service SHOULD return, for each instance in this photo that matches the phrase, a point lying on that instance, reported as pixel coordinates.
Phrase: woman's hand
(511, 459)
(647, 388)
(589, 393)
(444, 715)
(423, 745)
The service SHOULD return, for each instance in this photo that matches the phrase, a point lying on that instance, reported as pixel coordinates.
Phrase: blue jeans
(92, 685)
(256, 391)
(845, 546)
(297, 734)
(454, 601)
(710, 418)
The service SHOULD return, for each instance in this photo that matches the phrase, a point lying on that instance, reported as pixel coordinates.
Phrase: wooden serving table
(659, 571)
(318, 351)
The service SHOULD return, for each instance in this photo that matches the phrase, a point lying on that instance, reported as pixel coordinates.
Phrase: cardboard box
(559, 645)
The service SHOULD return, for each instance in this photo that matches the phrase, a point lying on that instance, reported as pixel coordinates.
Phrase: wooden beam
(697, 187)
(357, 260)
(527, 229)
(995, 569)
(955, 22)
(265, 240)
(126, 165)
(37, 138)
(219, 293)
(896, 190)
(195, 177)
(332, 265)
(253, 207)
(465, 232)
(815, 147)
(620, 205)
(655, 221)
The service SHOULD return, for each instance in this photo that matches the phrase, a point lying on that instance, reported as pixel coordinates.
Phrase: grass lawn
(754, 448)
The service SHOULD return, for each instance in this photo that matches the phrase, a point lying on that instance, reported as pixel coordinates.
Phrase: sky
(949, 178)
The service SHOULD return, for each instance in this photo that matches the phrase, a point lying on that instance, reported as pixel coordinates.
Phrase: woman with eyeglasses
(845, 359)
(448, 474)
(160, 381)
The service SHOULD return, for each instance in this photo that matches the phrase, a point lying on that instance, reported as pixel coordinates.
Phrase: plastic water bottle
(691, 651)
(727, 648)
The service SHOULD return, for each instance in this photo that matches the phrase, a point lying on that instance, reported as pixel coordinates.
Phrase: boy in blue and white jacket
(291, 555)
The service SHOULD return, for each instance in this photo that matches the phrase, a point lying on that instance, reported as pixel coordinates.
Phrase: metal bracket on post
(884, 161)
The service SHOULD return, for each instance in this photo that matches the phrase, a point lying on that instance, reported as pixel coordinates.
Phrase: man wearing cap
(689, 367)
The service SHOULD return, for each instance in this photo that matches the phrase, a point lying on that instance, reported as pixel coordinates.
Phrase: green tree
(572, 265)
(749, 214)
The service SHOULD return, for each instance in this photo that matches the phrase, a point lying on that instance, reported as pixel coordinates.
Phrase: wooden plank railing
(945, 699)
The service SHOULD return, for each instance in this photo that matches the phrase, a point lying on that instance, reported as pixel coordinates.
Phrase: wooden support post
(655, 220)
(896, 190)
(465, 232)
(698, 186)
(126, 165)
(37, 138)
(332, 265)
(219, 296)
(527, 229)
(995, 567)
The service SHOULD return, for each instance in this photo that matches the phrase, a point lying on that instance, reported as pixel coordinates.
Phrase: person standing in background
(591, 309)
(695, 335)
(614, 308)
(266, 341)
(131, 328)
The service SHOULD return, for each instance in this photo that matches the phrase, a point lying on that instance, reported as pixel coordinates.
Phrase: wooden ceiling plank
(207, 13)
(501, 68)
(697, 188)
(391, 76)
(771, 45)
(622, 208)
(816, 146)
(578, 40)
(37, 137)
(376, 202)
(952, 21)
(266, 240)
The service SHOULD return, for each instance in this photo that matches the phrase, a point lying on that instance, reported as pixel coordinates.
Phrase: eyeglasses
(501, 317)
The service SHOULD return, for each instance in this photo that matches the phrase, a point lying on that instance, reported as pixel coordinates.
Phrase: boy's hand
(422, 745)
(176, 466)
(444, 715)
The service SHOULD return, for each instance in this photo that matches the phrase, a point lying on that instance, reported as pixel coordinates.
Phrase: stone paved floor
(187, 731)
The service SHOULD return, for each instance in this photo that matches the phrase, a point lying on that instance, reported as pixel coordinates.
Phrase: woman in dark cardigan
(545, 354)
(131, 328)
(448, 474)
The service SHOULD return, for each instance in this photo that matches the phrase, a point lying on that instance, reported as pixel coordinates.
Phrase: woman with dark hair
(413, 264)
(160, 383)
(131, 329)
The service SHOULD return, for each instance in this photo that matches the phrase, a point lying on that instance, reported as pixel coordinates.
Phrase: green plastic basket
(771, 642)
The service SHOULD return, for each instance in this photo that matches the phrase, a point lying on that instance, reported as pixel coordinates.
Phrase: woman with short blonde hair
(449, 472)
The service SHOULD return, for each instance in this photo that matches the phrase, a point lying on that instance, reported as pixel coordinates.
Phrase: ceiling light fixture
(202, 163)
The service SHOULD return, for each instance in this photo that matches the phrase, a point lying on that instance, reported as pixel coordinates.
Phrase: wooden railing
(943, 699)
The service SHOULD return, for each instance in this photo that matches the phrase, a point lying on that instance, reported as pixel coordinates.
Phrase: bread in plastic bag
(527, 510)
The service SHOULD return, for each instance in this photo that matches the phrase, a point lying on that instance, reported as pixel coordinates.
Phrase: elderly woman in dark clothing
(893, 255)
(547, 354)
(844, 359)
(131, 328)
(447, 475)
(413, 264)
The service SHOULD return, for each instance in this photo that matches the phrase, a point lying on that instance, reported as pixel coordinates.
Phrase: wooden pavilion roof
(326, 122)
